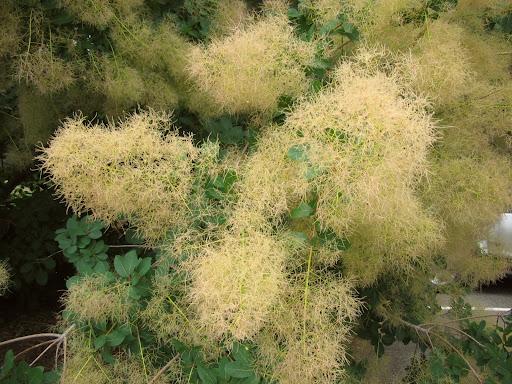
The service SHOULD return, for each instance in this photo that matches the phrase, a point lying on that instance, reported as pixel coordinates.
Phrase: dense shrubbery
(283, 180)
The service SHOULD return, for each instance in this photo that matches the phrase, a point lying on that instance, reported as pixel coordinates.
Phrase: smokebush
(258, 187)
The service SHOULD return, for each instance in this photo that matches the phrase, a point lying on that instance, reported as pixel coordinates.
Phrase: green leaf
(329, 237)
(26, 267)
(132, 237)
(99, 247)
(96, 234)
(504, 23)
(241, 353)
(144, 266)
(126, 264)
(62, 18)
(238, 369)
(116, 337)
(74, 227)
(213, 194)
(316, 85)
(320, 63)
(35, 376)
(106, 355)
(226, 181)
(294, 13)
(95, 225)
(350, 31)
(72, 281)
(302, 211)
(300, 236)
(329, 26)
(83, 267)
(71, 250)
(253, 379)
(312, 172)
(8, 362)
(100, 341)
(51, 377)
(206, 375)
(101, 267)
(388, 339)
(220, 185)
(41, 277)
(179, 346)
(49, 264)
(337, 135)
(436, 366)
(225, 130)
(135, 292)
(297, 152)
(63, 240)
(221, 369)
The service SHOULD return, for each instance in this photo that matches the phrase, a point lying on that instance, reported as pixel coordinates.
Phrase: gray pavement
(488, 302)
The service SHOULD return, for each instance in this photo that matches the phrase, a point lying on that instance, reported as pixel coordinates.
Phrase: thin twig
(427, 331)
(130, 246)
(306, 294)
(490, 94)
(33, 347)
(62, 338)
(419, 329)
(51, 255)
(57, 350)
(464, 333)
(463, 358)
(11, 116)
(429, 339)
(142, 356)
(162, 371)
(29, 32)
(63, 374)
(36, 336)
(56, 341)
(462, 319)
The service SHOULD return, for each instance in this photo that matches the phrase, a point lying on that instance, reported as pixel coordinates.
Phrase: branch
(57, 350)
(419, 329)
(464, 333)
(131, 246)
(36, 336)
(162, 371)
(427, 332)
(64, 360)
(54, 342)
(33, 347)
(473, 370)
(499, 315)
(57, 340)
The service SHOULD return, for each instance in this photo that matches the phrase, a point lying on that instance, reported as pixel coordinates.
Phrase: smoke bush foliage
(4, 278)
(348, 145)
(230, 73)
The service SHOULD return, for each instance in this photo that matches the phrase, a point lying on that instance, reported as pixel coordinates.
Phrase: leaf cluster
(12, 372)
